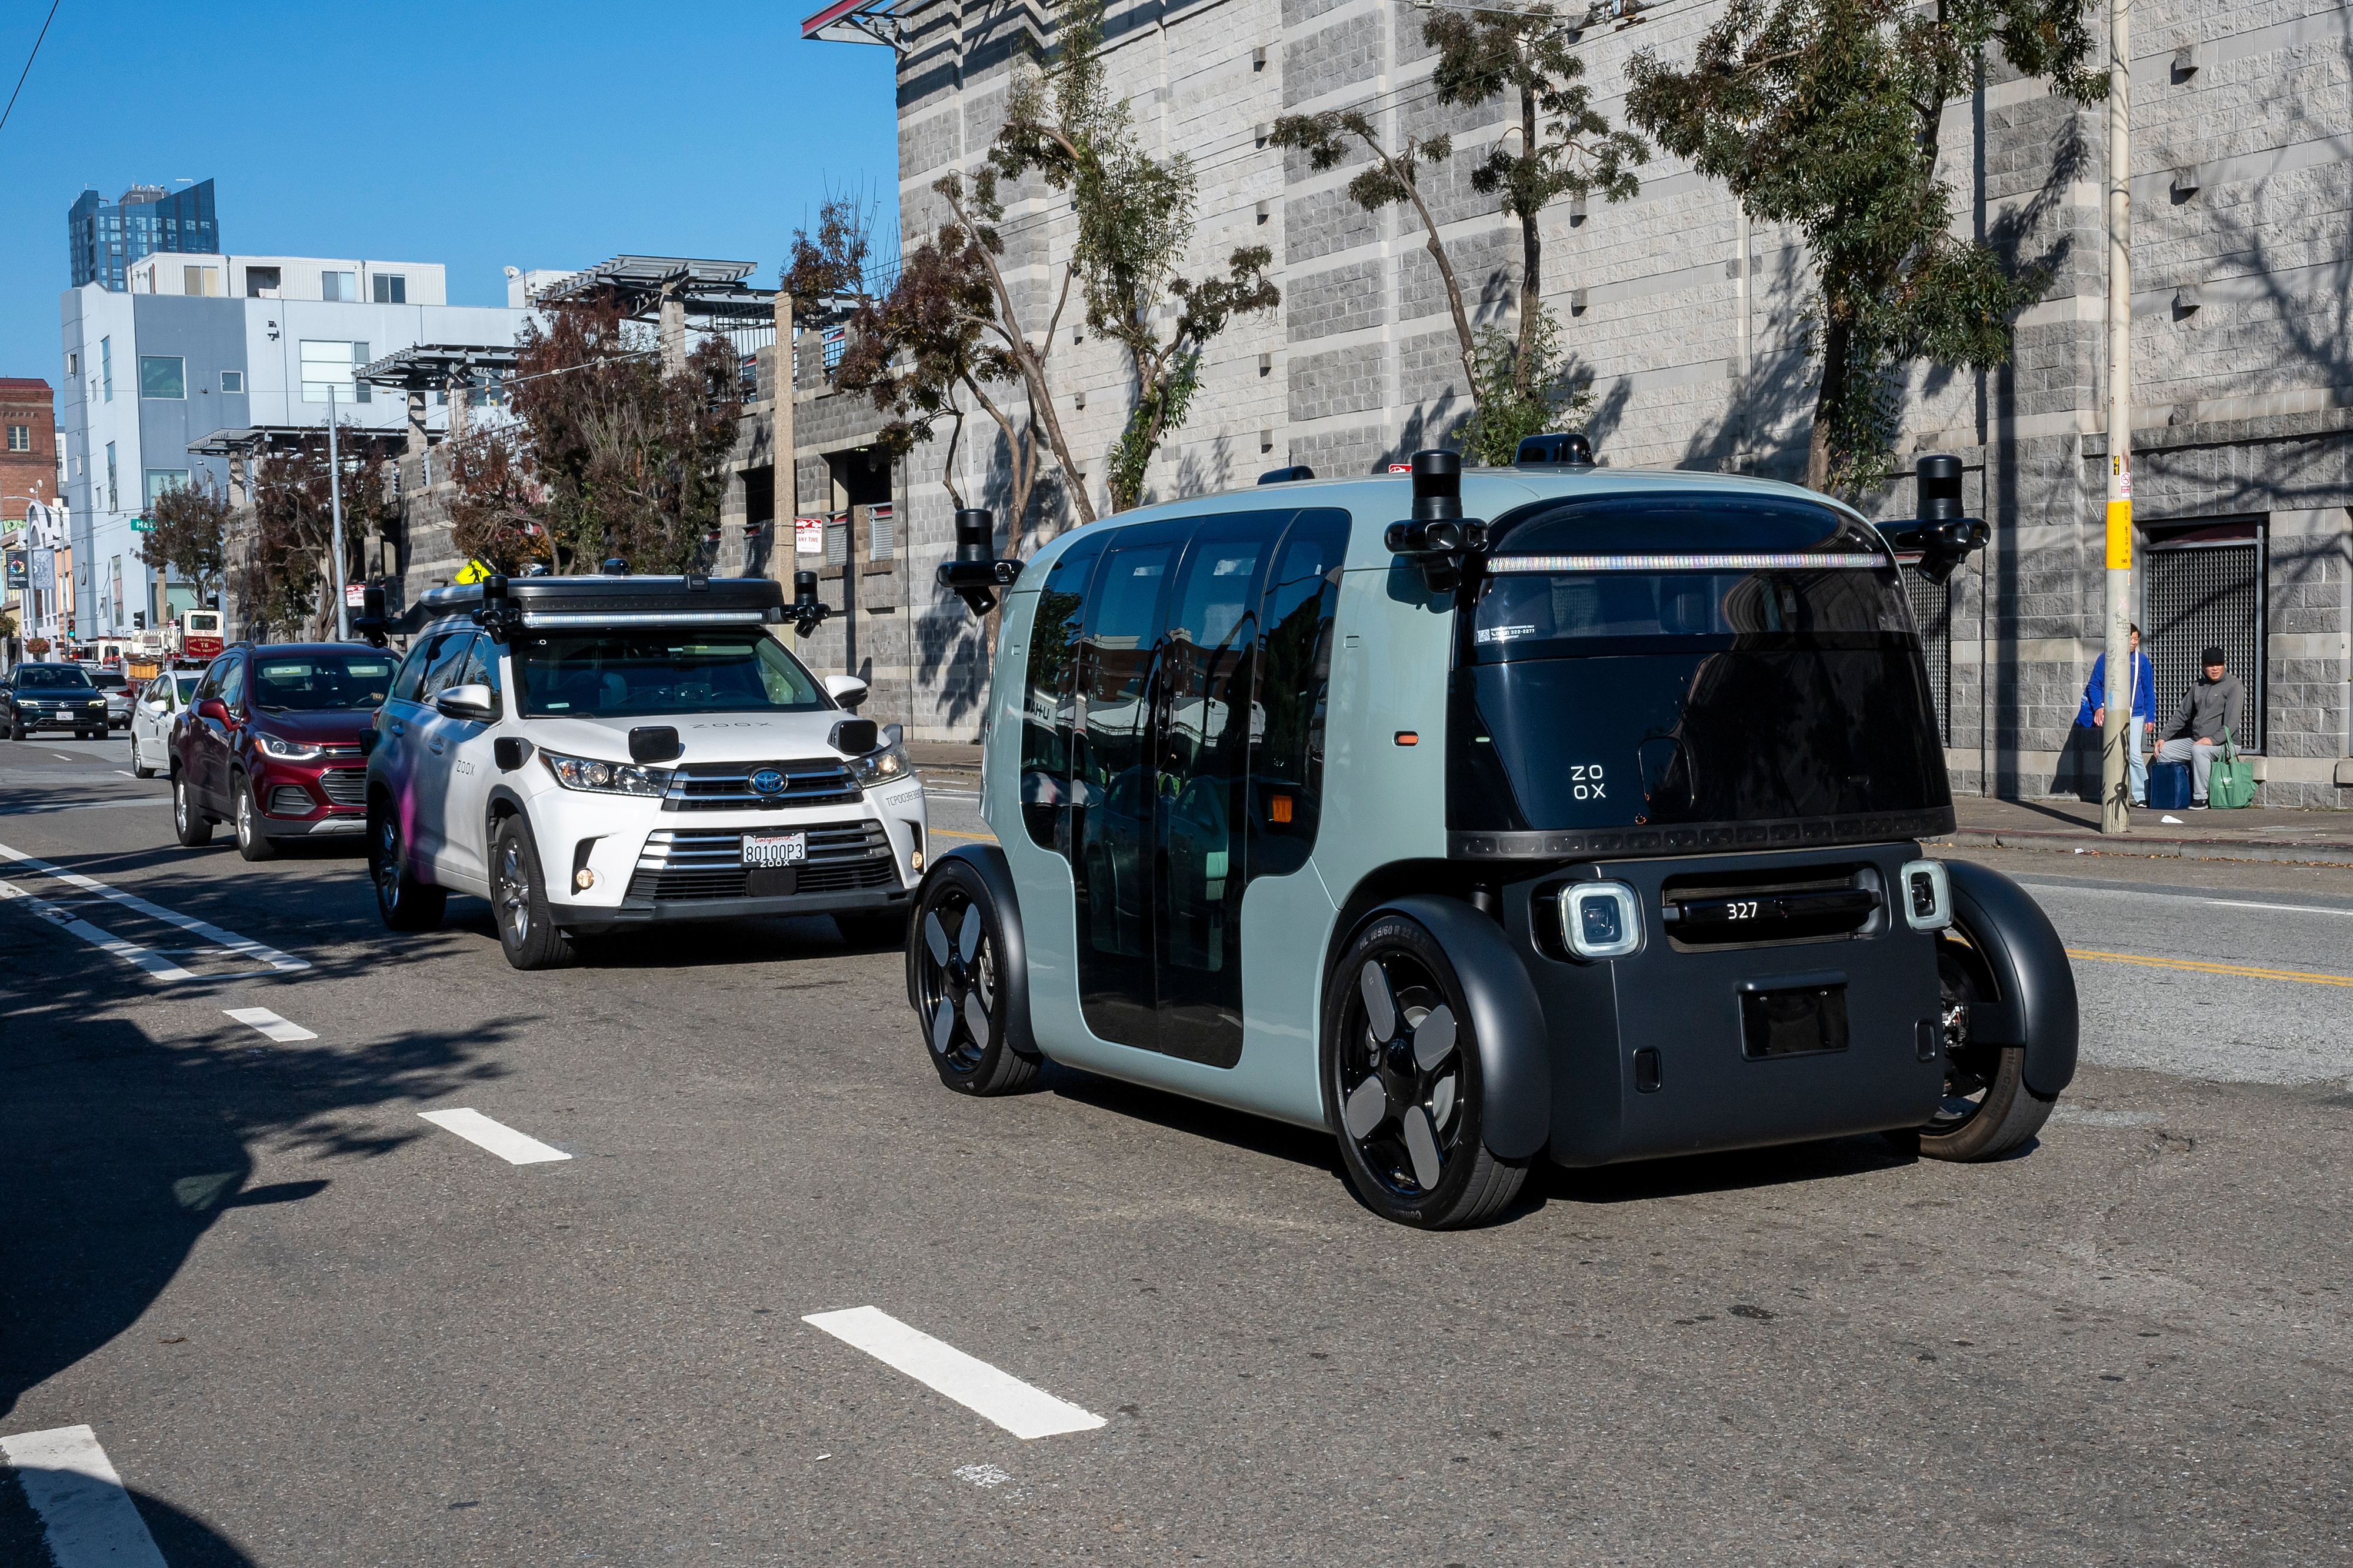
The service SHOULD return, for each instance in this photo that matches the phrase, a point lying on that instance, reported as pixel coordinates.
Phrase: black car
(51, 696)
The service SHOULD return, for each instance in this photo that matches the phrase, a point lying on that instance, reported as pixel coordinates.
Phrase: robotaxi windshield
(1616, 676)
(615, 675)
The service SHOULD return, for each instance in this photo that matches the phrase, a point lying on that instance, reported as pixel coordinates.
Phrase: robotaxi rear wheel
(952, 978)
(403, 902)
(527, 930)
(1987, 1111)
(1401, 1074)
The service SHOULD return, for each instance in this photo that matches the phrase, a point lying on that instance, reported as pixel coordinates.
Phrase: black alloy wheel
(1401, 1072)
(194, 829)
(401, 900)
(1986, 1110)
(527, 929)
(954, 982)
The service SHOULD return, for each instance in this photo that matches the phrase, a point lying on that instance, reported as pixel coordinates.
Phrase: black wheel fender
(2035, 1002)
(987, 861)
(1507, 1021)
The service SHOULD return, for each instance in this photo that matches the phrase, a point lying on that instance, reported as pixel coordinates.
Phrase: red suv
(270, 741)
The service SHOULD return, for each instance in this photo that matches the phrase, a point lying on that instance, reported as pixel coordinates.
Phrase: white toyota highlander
(594, 754)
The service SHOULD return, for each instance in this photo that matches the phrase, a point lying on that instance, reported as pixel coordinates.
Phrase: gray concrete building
(1689, 323)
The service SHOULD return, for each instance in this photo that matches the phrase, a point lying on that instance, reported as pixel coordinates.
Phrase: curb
(2061, 842)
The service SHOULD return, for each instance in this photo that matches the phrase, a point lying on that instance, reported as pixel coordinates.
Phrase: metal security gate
(2203, 585)
(1932, 611)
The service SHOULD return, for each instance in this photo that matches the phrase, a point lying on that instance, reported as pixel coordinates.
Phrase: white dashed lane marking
(105, 941)
(270, 1024)
(1024, 1411)
(513, 1147)
(87, 1517)
(243, 947)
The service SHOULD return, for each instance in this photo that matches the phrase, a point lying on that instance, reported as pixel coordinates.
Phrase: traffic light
(138, 620)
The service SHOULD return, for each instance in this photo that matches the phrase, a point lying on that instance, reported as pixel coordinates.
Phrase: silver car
(159, 706)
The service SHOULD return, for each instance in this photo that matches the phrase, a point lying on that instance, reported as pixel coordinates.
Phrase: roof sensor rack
(1558, 448)
(1286, 476)
(1438, 536)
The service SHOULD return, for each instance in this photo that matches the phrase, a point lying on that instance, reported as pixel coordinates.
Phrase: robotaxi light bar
(1776, 563)
(538, 618)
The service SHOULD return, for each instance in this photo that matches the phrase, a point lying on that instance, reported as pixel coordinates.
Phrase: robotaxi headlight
(291, 750)
(1927, 895)
(600, 777)
(1600, 919)
(888, 765)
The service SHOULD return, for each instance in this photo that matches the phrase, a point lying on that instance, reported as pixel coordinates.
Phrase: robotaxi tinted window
(637, 674)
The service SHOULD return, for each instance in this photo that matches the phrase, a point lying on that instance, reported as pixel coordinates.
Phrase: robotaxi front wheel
(1986, 1110)
(527, 931)
(403, 902)
(1401, 1074)
(953, 980)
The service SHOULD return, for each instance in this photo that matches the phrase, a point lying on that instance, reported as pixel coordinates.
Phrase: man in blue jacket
(2093, 713)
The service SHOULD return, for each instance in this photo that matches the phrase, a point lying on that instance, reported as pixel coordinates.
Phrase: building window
(391, 289)
(162, 479)
(262, 282)
(163, 376)
(232, 381)
(20, 437)
(73, 364)
(329, 362)
(342, 287)
(109, 476)
(106, 367)
(203, 280)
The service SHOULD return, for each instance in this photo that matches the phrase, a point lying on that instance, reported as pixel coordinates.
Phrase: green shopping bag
(2230, 783)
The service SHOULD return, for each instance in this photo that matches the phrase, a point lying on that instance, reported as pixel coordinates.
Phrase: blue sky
(480, 135)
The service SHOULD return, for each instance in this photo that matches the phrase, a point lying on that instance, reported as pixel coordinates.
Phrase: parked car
(594, 755)
(160, 703)
(51, 696)
(270, 742)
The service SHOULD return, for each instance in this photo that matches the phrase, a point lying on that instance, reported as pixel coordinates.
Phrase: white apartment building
(201, 344)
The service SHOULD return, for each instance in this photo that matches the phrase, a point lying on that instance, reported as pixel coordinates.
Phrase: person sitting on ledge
(2213, 704)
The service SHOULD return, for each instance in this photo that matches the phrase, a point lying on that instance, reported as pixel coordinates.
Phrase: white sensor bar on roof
(1795, 561)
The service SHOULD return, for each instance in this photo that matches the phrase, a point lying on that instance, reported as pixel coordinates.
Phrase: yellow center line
(989, 837)
(2203, 968)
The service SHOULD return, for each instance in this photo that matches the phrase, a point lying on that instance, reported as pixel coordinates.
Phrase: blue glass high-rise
(105, 237)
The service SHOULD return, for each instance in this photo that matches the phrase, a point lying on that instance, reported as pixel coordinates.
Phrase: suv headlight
(887, 765)
(606, 778)
(1600, 919)
(291, 750)
(1927, 895)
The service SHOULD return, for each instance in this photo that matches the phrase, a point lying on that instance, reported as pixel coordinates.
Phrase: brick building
(28, 444)
(1690, 322)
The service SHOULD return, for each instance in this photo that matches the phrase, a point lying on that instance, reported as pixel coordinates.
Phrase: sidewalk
(2252, 833)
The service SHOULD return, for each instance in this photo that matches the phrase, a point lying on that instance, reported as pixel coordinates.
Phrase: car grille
(843, 856)
(345, 786)
(727, 786)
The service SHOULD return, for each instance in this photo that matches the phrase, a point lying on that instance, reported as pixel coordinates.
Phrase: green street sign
(141, 525)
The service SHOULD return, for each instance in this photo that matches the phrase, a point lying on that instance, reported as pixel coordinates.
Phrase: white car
(159, 706)
(594, 754)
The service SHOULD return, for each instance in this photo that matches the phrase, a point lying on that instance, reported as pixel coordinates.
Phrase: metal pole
(335, 501)
(2117, 733)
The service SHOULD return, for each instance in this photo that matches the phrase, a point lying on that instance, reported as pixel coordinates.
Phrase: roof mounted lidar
(977, 571)
(1555, 449)
(1943, 537)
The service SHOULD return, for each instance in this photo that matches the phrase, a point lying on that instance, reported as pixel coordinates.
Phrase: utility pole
(335, 501)
(2117, 733)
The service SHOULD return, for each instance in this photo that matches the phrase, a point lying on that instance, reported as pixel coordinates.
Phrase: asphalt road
(310, 1327)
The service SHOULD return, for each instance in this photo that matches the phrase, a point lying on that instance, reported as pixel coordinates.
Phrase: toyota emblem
(768, 780)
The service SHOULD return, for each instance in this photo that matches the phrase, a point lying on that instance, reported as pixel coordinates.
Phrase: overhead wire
(21, 75)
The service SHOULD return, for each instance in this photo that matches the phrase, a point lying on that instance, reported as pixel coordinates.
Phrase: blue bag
(2168, 785)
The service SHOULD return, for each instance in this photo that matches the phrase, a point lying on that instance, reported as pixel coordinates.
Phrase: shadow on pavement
(183, 1540)
(1786, 1165)
(123, 1151)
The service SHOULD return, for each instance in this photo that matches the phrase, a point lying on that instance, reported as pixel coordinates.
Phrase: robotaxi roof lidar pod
(1561, 810)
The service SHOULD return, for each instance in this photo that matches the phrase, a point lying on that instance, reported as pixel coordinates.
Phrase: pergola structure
(678, 292)
(457, 369)
(856, 21)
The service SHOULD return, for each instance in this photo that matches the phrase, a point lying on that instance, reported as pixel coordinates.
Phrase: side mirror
(846, 690)
(214, 708)
(474, 703)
